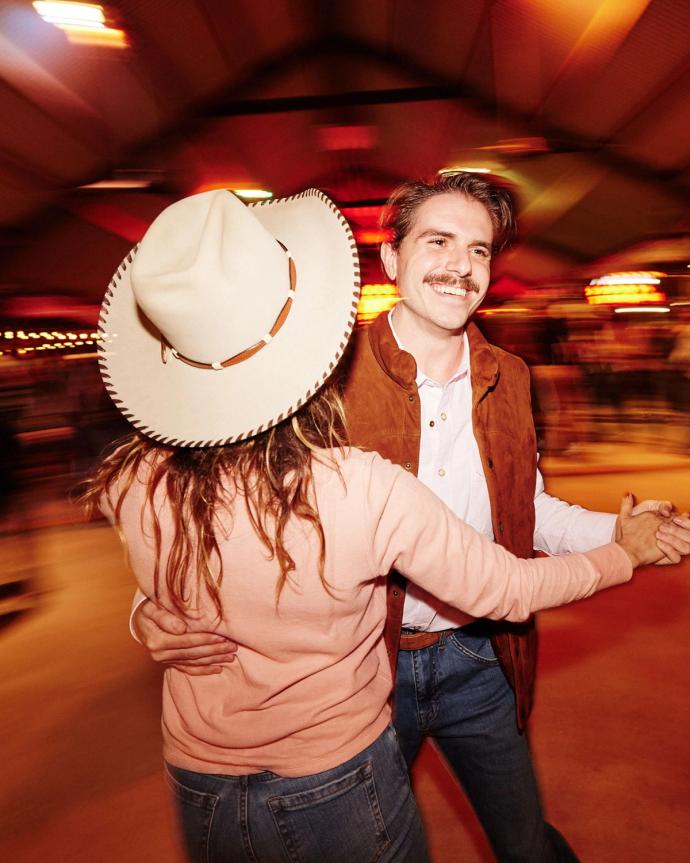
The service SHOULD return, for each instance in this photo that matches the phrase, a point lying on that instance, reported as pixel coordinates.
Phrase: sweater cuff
(613, 564)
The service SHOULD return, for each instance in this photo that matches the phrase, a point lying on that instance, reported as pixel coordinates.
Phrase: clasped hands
(673, 529)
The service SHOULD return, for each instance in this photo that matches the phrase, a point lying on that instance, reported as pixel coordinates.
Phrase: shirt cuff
(139, 599)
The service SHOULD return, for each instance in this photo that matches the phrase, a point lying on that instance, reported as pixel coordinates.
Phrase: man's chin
(455, 325)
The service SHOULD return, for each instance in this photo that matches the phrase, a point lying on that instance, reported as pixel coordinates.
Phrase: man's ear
(389, 259)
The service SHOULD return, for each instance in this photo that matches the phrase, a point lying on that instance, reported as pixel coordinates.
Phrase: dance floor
(79, 725)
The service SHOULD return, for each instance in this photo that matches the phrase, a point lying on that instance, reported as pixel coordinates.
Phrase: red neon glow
(372, 236)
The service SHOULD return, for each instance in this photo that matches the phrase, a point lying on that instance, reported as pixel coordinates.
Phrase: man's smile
(448, 289)
(444, 285)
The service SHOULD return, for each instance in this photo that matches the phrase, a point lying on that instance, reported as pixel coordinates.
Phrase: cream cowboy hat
(226, 318)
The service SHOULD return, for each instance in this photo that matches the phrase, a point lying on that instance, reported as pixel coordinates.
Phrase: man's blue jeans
(455, 692)
(360, 812)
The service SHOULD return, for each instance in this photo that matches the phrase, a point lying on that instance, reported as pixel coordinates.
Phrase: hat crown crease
(216, 287)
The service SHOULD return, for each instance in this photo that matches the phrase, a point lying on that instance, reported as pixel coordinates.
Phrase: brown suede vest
(382, 406)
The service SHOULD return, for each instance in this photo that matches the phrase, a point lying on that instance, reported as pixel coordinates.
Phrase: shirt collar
(463, 369)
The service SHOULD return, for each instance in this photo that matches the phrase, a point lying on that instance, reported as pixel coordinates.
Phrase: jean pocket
(195, 811)
(475, 648)
(338, 822)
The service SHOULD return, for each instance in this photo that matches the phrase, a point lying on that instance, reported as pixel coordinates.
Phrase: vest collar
(396, 363)
(402, 368)
(485, 370)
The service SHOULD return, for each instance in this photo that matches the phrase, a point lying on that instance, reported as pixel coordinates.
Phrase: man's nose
(459, 262)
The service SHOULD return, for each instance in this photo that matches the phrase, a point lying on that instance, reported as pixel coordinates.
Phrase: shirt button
(441, 472)
(490, 462)
(432, 423)
(410, 397)
(408, 465)
(500, 527)
(396, 592)
(444, 417)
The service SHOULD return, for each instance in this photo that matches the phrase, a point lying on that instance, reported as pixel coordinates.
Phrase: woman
(243, 508)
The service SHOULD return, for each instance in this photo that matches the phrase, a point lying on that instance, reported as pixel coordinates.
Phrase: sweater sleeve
(415, 533)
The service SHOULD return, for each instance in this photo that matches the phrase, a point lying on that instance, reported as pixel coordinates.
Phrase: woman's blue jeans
(360, 812)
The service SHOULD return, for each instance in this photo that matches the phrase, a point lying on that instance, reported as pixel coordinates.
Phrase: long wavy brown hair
(271, 472)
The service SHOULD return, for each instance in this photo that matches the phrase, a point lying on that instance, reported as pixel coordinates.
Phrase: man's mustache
(452, 281)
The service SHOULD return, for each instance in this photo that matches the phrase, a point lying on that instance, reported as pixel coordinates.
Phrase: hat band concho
(250, 351)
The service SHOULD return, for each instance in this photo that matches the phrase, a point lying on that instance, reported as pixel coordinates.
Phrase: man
(427, 391)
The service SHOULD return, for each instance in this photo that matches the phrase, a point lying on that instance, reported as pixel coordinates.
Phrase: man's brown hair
(492, 193)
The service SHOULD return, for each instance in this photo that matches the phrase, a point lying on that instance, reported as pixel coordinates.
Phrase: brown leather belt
(419, 640)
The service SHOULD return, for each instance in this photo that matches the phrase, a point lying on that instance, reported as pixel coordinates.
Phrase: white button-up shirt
(448, 450)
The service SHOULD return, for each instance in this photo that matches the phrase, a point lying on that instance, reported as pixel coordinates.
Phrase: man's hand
(675, 543)
(676, 538)
(171, 643)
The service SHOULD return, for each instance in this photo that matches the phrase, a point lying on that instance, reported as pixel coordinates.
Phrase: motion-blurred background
(109, 113)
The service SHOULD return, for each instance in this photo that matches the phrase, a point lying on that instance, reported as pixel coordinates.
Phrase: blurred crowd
(605, 379)
(596, 379)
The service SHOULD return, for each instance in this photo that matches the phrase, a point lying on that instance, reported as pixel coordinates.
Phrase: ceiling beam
(437, 88)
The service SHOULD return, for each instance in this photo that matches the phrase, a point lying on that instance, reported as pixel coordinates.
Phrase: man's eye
(482, 252)
(439, 241)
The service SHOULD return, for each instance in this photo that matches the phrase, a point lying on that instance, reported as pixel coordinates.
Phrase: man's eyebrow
(433, 232)
(449, 235)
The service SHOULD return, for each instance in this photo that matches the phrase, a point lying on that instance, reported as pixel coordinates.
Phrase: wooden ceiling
(584, 105)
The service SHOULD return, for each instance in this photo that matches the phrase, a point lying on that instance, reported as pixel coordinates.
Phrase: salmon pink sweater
(310, 685)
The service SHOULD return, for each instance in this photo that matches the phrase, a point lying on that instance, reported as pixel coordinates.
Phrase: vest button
(410, 398)
(396, 592)
(490, 463)
(500, 527)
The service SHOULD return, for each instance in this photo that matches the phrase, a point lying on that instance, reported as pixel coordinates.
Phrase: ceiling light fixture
(83, 23)
(253, 194)
(241, 192)
(632, 288)
(637, 278)
(466, 169)
(118, 184)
